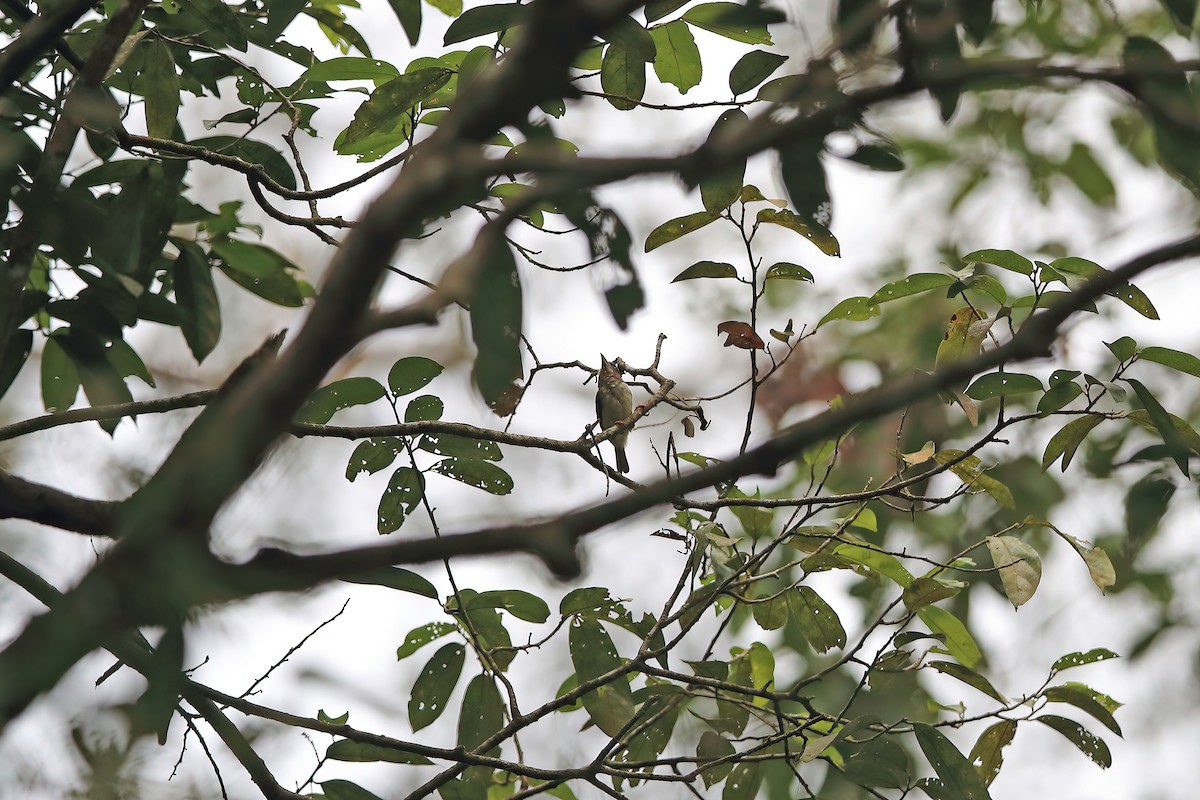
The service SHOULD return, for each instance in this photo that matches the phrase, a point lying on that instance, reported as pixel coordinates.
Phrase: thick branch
(38, 35)
(20, 499)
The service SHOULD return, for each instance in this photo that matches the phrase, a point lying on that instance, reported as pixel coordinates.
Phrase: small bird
(614, 403)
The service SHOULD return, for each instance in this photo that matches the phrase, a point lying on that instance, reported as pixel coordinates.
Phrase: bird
(614, 403)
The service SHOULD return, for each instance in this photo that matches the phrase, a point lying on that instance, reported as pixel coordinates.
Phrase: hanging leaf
(816, 619)
(402, 580)
(196, 297)
(434, 685)
(483, 20)
(742, 23)
(408, 12)
(987, 754)
(959, 643)
(160, 87)
(959, 778)
(967, 676)
(740, 334)
(719, 189)
(480, 474)
(1077, 271)
(676, 57)
(373, 455)
(622, 77)
(804, 177)
(387, 109)
(1088, 743)
(593, 653)
(752, 69)
(403, 494)
(496, 323)
(1067, 440)
(1081, 698)
(1019, 565)
(420, 636)
(1176, 447)
(482, 714)
(673, 229)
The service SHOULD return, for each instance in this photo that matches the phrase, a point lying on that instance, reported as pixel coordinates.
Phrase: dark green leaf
(403, 494)
(622, 77)
(272, 162)
(1003, 384)
(20, 343)
(353, 68)
(101, 382)
(409, 14)
(496, 319)
(629, 33)
(339, 789)
(925, 590)
(955, 771)
(784, 270)
(1076, 271)
(1089, 176)
(707, 269)
(929, 40)
(673, 229)
(593, 653)
(713, 747)
(1058, 396)
(878, 157)
(719, 189)
(332, 398)
(743, 782)
(1081, 698)
(816, 619)
(1081, 659)
(423, 635)
(657, 9)
(1164, 424)
(519, 603)
(857, 21)
(346, 750)
(483, 20)
(402, 580)
(1183, 13)
(1067, 440)
(913, 284)
(373, 455)
(389, 105)
(967, 676)
(1145, 506)
(412, 373)
(424, 408)
(160, 87)
(817, 234)
(60, 379)
(482, 713)
(196, 297)
(882, 763)
(1175, 359)
(804, 177)
(742, 23)
(434, 685)
(221, 21)
(461, 447)
(752, 69)
(1088, 743)
(480, 474)
(1168, 103)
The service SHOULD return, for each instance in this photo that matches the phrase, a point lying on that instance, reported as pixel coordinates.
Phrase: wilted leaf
(740, 334)
(1019, 565)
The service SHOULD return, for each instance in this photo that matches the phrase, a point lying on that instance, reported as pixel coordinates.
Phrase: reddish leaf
(740, 334)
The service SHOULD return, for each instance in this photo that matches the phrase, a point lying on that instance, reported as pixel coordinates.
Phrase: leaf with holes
(403, 494)
(333, 397)
(434, 685)
(423, 635)
(959, 778)
(1088, 743)
(373, 455)
(913, 284)
(816, 619)
(480, 474)
(814, 232)
(611, 705)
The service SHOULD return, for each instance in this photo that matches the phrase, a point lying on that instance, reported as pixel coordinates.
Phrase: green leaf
(1183, 13)
(817, 234)
(657, 9)
(423, 635)
(102, 384)
(361, 752)
(816, 619)
(1081, 659)
(772, 614)
(1175, 359)
(196, 297)
(354, 68)
(707, 269)
(804, 177)
(967, 676)
(713, 747)
(969, 471)
(1124, 348)
(719, 189)
(857, 21)
(673, 229)
(480, 474)
(752, 69)
(925, 590)
(408, 12)
(854, 309)
(160, 87)
(989, 286)
(434, 685)
(60, 378)
(593, 653)
(403, 494)
(1164, 424)
(483, 20)
(261, 270)
(482, 713)
(878, 157)
(1081, 698)
(987, 753)
(742, 23)
(412, 373)
(264, 155)
(1088, 743)
(785, 270)
(1019, 565)
(1089, 176)
(519, 603)
(883, 563)
(389, 105)
(373, 455)
(333, 397)
(955, 771)
(1077, 271)
(677, 59)
(1058, 396)
(1067, 440)
(16, 352)
(1168, 103)
(464, 448)
(959, 642)
(451, 8)
(496, 323)
(744, 781)
(339, 789)
(402, 580)
(1005, 259)
(913, 284)
(622, 77)
(425, 408)
(1003, 384)
(629, 33)
(222, 22)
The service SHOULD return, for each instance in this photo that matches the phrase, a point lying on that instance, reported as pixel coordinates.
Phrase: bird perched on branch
(614, 403)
